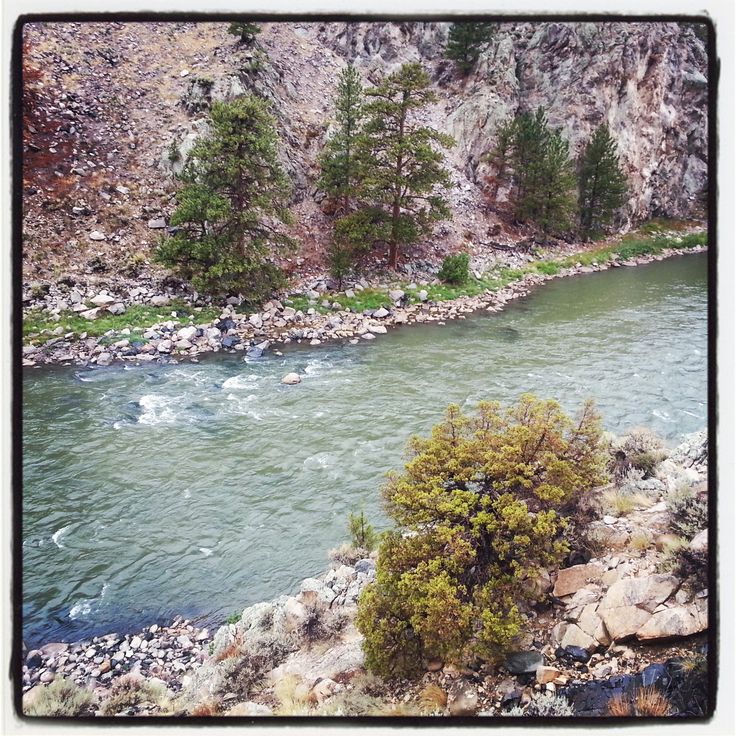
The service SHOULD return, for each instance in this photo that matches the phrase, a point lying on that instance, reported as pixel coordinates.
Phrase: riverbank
(603, 630)
(361, 312)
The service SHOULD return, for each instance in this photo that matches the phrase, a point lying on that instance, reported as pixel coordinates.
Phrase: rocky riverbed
(276, 324)
(606, 628)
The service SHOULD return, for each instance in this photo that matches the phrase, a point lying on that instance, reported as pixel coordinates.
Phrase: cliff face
(112, 97)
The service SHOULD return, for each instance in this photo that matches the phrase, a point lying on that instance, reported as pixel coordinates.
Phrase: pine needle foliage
(534, 161)
(246, 32)
(602, 182)
(466, 42)
(402, 173)
(233, 196)
(478, 508)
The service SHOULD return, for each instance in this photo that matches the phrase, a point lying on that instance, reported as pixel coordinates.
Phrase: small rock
(291, 379)
(547, 674)
(97, 235)
(520, 663)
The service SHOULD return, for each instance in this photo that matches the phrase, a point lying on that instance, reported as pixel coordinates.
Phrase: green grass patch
(550, 268)
(136, 316)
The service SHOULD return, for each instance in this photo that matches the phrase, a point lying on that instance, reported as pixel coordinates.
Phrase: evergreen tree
(534, 161)
(246, 31)
(602, 183)
(466, 42)
(400, 167)
(479, 512)
(339, 162)
(233, 195)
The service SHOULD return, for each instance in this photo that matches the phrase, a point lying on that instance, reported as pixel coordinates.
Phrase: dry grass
(646, 702)
(62, 698)
(432, 699)
(618, 502)
(233, 649)
(206, 709)
(641, 540)
(293, 700)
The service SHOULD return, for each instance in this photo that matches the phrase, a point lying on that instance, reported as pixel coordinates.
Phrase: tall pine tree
(466, 42)
(533, 160)
(339, 161)
(233, 195)
(602, 183)
(401, 167)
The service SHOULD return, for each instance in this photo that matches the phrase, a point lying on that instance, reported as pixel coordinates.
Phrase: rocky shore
(604, 633)
(276, 324)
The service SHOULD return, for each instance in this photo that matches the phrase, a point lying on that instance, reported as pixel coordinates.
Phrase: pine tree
(233, 195)
(339, 162)
(533, 159)
(602, 183)
(466, 42)
(246, 31)
(401, 169)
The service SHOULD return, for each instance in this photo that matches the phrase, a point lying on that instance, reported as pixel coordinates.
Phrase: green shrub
(455, 269)
(129, 691)
(362, 533)
(647, 462)
(550, 268)
(688, 510)
(234, 617)
(478, 509)
(62, 698)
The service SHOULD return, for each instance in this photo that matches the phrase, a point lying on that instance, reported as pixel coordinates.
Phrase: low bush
(455, 269)
(61, 699)
(130, 691)
(544, 705)
(643, 702)
(688, 510)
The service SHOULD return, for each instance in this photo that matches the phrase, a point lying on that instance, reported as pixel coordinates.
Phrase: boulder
(644, 592)
(675, 622)
(187, 333)
(520, 663)
(462, 700)
(377, 329)
(90, 314)
(117, 308)
(381, 313)
(160, 300)
(291, 379)
(547, 674)
(395, 295)
(699, 543)
(623, 621)
(157, 223)
(102, 300)
(571, 579)
(249, 708)
(575, 637)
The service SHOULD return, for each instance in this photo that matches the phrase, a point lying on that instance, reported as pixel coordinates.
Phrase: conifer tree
(233, 195)
(402, 173)
(339, 161)
(602, 183)
(533, 159)
(246, 31)
(479, 511)
(466, 42)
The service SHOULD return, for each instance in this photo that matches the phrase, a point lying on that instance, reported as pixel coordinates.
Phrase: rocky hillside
(111, 109)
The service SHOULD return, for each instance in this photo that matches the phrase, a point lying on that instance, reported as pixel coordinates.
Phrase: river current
(201, 488)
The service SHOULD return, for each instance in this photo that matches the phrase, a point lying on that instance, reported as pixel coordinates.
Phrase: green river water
(198, 489)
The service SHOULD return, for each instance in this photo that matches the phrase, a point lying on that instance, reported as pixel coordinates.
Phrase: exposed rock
(159, 300)
(575, 637)
(248, 709)
(623, 621)
(519, 663)
(699, 543)
(291, 379)
(644, 592)
(462, 699)
(97, 235)
(547, 674)
(675, 622)
(157, 223)
(571, 579)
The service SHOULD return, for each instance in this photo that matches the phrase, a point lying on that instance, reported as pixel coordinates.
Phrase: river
(200, 488)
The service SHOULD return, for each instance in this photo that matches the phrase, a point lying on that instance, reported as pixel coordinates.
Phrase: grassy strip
(137, 316)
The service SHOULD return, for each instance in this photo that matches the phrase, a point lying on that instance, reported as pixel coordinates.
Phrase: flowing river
(198, 489)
